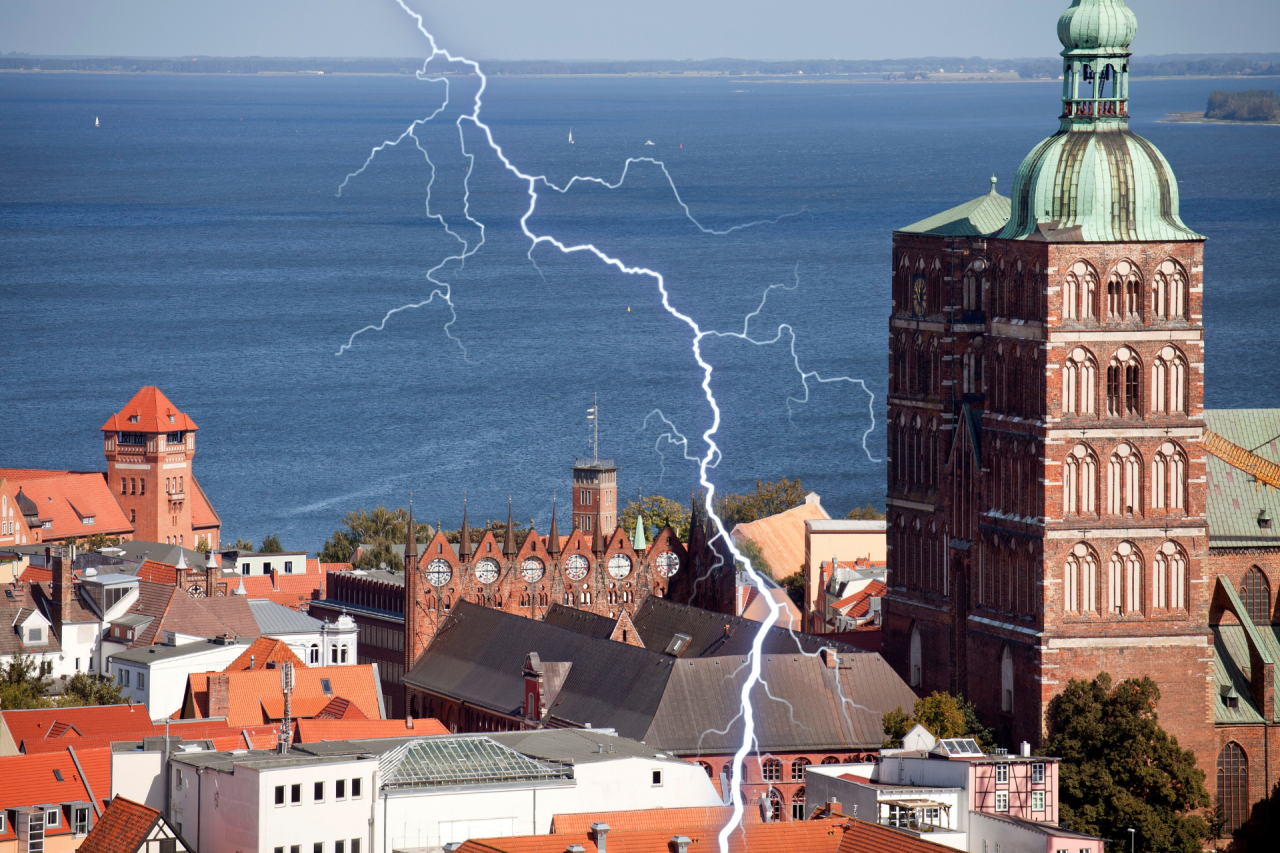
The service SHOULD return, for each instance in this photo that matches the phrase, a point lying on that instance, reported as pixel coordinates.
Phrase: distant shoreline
(1198, 118)
(868, 77)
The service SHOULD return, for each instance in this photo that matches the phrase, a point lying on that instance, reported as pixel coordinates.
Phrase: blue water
(195, 242)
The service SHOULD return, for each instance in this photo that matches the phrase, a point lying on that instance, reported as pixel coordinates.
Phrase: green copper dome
(1095, 181)
(1096, 185)
(1097, 26)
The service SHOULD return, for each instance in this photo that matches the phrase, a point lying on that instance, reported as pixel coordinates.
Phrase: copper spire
(553, 537)
(411, 544)
(509, 542)
(464, 535)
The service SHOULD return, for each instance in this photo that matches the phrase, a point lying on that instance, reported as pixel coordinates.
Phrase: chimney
(219, 695)
(833, 806)
(602, 831)
(1025, 750)
(408, 721)
(830, 658)
(680, 844)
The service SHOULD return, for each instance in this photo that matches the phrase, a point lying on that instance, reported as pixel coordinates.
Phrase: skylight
(961, 747)
(442, 762)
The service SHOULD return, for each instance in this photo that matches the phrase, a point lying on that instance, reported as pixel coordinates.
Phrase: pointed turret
(637, 540)
(464, 535)
(553, 537)
(509, 541)
(411, 543)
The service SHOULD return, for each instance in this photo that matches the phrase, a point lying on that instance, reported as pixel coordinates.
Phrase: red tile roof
(203, 515)
(123, 828)
(154, 413)
(33, 726)
(262, 650)
(813, 836)
(712, 817)
(67, 498)
(859, 604)
(339, 709)
(30, 780)
(291, 590)
(150, 570)
(313, 731)
(331, 567)
(256, 697)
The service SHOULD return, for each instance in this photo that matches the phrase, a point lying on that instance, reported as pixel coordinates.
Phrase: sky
(608, 29)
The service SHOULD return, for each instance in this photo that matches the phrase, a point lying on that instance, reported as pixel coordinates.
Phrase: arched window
(1006, 681)
(1256, 592)
(1079, 292)
(797, 769)
(1079, 482)
(917, 662)
(727, 770)
(1233, 786)
(1124, 481)
(1168, 578)
(830, 759)
(775, 805)
(1124, 293)
(1169, 292)
(1124, 580)
(344, 653)
(771, 770)
(797, 805)
(706, 767)
(315, 654)
(968, 363)
(1169, 477)
(970, 291)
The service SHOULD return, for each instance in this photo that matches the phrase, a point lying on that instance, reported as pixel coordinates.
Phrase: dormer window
(35, 635)
(173, 419)
(133, 419)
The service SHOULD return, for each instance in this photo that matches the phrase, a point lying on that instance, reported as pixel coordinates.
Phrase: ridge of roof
(978, 217)
(154, 413)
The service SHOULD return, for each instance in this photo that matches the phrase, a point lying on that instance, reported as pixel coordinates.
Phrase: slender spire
(411, 541)
(553, 537)
(637, 541)
(464, 535)
(509, 541)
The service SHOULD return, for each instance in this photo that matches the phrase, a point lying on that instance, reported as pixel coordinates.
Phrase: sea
(195, 239)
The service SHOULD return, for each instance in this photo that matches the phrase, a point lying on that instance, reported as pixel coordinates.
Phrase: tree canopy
(25, 683)
(768, 499)
(944, 715)
(271, 545)
(752, 552)
(659, 512)
(1253, 105)
(378, 530)
(1121, 769)
(865, 513)
(83, 689)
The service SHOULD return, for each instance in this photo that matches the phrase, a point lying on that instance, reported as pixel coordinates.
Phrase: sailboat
(96, 122)
(571, 136)
(648, 142)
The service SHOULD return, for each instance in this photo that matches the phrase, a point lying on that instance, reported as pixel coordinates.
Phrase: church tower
(150, 446)
(1046, 485)
(595, 488)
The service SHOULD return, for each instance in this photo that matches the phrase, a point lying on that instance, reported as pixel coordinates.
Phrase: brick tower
(150, 446)
(595, 487)
(1046, 487)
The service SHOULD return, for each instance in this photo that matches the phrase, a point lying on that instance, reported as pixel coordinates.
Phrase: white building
(379, 796)
(315, 642)
(156, 676)
(257, 565)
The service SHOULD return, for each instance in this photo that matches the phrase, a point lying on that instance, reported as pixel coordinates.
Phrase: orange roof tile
(156, 572)
(123, 828)
(811, 836)
(290, 590)
(339, 709)
(331, 567)
(713, 817)
(203, 514)
(859, 604)
(123, 722)
(262, 650)
(781, 536)
(67, 499)
(29, 780)
(153, 411)
(255, 696)
(314, 731)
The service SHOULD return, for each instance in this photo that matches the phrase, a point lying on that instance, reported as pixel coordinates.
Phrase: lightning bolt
(707, 460)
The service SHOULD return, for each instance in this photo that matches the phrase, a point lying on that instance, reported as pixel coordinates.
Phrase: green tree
(377, 531)
(95, 542)
(202, 545)
(243, 545)
(768, 499)
(944, 715)
(749, 549)
(271, 545)
(23, 682)
(1120, 769)
(85, 689)
(658, 512)
(794, 585)
(866, 513)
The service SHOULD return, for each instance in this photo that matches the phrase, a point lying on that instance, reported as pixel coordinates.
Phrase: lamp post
(1131, 839)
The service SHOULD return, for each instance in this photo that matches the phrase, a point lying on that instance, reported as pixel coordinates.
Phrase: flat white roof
(845, 525)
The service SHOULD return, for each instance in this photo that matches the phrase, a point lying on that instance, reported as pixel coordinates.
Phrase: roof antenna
(593, 415)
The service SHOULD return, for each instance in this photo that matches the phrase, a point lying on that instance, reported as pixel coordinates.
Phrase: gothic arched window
(1169, 292)
(1233, 786)
(1125, 581)
(1124, 293)
(1080, 292)
(1256, 592)
(797, 804)
(1169, 477)
(917, 658)
(1169, 578)
(1124, 481)
(1006, 681)
(797, 769)
(775, 806)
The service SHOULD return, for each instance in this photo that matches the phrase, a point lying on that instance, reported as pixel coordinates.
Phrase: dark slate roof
(809, 710)
(574, 746)
(478, 657)
(658, 620)
(16, 606)
(582, 621)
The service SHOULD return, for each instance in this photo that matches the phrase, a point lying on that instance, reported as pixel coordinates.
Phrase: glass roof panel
(450, 761)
